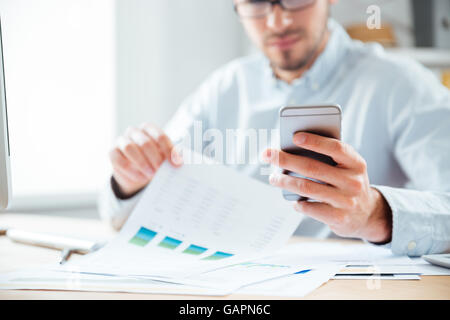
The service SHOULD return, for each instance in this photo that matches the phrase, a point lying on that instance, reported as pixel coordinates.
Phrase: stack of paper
(206, 229)
(196, 219)
(198, 229)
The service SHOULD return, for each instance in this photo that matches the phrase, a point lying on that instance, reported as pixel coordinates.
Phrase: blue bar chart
(195, 250)
(218, 255)
(169, 243)
(143, 236)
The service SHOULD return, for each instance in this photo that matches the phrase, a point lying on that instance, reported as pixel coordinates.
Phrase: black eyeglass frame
(274, 2)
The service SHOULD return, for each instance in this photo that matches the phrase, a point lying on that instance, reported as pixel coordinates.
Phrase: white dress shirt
(395, 113)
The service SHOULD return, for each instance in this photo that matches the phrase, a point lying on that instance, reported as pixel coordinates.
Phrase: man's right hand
(138, 155)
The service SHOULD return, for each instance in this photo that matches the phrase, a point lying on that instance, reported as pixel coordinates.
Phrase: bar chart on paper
(218, 255)
(170, 243)
(202, 204)
(144, 236)
(195, 250)
(193, 219)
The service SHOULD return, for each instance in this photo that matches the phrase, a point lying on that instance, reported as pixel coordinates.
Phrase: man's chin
(287, 60)
(288, 65)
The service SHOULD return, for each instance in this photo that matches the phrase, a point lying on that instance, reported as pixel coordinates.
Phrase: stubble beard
(289, 62)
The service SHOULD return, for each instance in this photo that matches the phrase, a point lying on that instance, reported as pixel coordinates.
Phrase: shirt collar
(324, 65)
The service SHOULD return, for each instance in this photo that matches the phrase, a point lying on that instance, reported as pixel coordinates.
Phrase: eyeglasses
(261, 8)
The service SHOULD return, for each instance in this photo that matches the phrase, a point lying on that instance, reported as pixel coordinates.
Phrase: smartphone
(324, 120)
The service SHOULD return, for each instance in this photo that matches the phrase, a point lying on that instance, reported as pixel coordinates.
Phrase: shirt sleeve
(195, 108)
(113, 210)
(421, 221)
(419, 118)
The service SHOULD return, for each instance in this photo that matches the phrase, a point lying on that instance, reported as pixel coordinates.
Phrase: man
(392, 182)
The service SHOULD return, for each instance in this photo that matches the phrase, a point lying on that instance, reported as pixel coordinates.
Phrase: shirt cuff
(411, 225)
(113, 210)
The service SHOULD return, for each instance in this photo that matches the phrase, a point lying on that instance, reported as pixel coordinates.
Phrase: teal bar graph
(143, 236)
(169, 243)
(193, 249)
(218, 255)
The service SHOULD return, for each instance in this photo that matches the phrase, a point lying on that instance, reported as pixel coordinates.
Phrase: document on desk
(295, 285)
(358, 261)
(44, 278)
(194, 219)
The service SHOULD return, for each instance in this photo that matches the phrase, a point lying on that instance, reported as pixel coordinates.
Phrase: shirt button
(411, 245)
(292, 101)
(315, 86)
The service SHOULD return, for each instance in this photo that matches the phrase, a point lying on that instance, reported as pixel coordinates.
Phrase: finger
(305, 166)
(133, 153)
(123, 180)
(341, 152)
(165, 144)
(310, 189)
(126, 168)
(320, 211)
(149, 147)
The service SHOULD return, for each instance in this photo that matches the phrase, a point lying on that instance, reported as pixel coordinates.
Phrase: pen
(68, 245)
(65, 255)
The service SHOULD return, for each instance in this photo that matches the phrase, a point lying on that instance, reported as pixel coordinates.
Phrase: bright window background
(60, 81)
(78, 72)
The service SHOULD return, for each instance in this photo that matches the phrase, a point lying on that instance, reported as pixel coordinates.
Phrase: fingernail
(273, 178)
(267, 155)
(299, 138)
(176, 158)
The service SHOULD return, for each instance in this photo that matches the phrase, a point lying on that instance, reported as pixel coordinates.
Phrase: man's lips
(284, 43)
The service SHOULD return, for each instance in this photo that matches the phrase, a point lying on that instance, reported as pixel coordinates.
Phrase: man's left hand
(348, 204)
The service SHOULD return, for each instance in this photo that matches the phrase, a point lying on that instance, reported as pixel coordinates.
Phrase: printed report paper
(292, 285)
(194, 219)
(295, 285)
(47, 279)
(360, 260)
